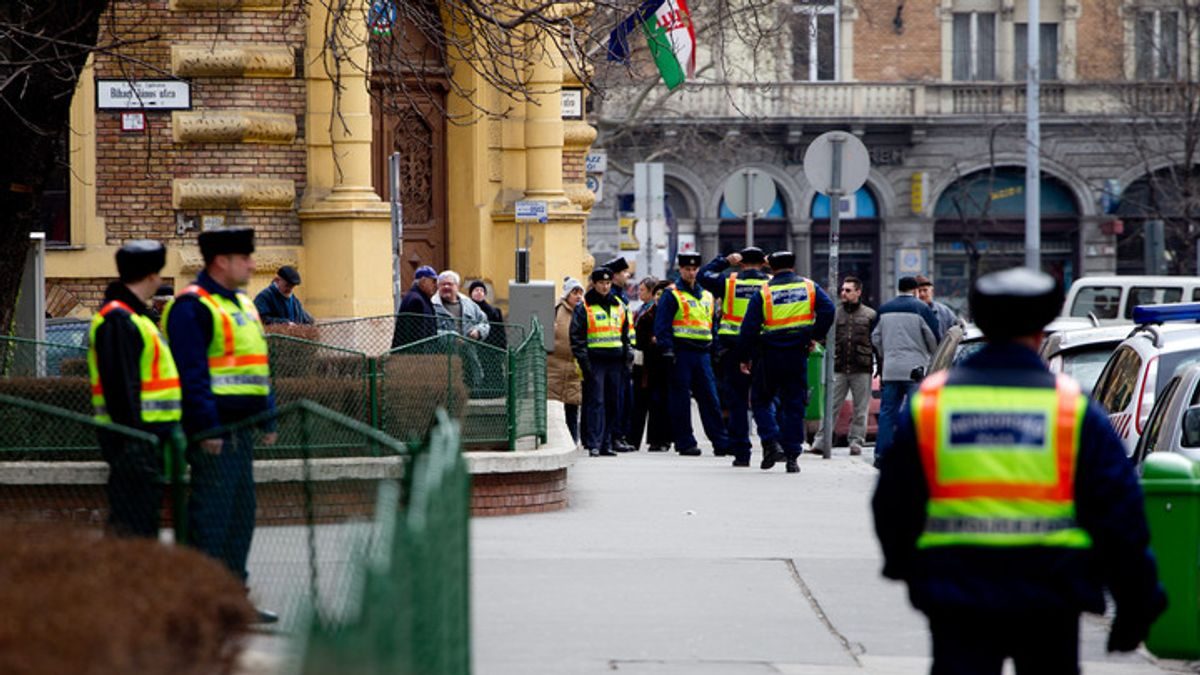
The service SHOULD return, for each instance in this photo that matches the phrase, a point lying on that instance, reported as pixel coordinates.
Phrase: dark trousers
(601, 398)
(650, 413)
(625, 408)
(976, 643)
(735, 398)
(222, 503)
(135, 489)
(572, 412)
(892, 395)
(781, 373)
(693, 376)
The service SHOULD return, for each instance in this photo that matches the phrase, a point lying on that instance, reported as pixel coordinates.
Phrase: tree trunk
(45, 46)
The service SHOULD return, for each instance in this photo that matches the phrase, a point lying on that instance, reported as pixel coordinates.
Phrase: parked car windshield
(1146, 295)
(1086, 363)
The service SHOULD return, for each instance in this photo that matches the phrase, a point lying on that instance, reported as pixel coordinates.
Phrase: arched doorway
(1171, 195)
(858, 243)
(770, 229)
(980, 228)
(408, 111)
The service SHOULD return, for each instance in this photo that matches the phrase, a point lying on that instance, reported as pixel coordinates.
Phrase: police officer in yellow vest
(135, 384)
(733, 290)
(683, 330)
(1007, 503)
(780, 325)
(221, 352)
(600, 343)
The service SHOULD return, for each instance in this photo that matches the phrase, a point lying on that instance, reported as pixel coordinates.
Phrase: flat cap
(782, 260)
(140, 258)
(1015, 302)
(617, 264)
(687, 259)
(601, 274)
(923, 281)
(165, 291)
(425, 272)
(753, 255)
(289, 274)
(228, 240)
(906, 284)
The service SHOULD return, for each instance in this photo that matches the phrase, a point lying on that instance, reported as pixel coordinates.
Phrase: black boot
(772, 452)
(792, 466)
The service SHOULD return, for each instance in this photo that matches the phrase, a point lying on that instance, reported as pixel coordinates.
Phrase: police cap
(753, 255)
(687, 259)
(225, 241)
(140, 258)
(1015, 302)
(617, 264)
(782, 260)
(602, 274)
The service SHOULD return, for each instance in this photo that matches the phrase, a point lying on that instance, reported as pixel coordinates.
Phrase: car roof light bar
(1175, 311)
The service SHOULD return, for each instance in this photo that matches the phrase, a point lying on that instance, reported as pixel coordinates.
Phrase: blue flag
(618, 39)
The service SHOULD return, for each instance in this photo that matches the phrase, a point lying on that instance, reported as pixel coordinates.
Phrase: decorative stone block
(228, 59)
(234, 5)
(233, 193)
(233, 126)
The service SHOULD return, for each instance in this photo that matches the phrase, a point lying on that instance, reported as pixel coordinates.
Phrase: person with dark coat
(734, 280)
(782, 321)
(277, 303)
(853, 362)
(478, 291)
(491, 360)
(417, 303)
(650, 373)
(600, 342)
(135, 384)
(683, 329)
(1007, 504)
(224, 370)
(620, 269)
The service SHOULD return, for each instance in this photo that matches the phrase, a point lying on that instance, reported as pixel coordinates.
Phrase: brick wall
(882, 55)
(507, 494)
(134, 169)
(1100, 58)
(87, 292)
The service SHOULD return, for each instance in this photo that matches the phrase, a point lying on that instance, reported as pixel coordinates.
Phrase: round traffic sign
(818, 162)
(749, 190)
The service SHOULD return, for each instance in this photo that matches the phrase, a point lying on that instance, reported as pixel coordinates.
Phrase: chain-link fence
(527, 398)
(336, 378)
(44, 372)
(411, 601)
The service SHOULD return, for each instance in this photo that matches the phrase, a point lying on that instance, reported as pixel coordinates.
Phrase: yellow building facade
(281, 137)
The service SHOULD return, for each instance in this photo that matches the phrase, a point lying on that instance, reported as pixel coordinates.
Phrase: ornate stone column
(346, 227)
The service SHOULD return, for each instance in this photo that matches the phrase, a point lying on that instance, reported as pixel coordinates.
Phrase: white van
(1111, 299)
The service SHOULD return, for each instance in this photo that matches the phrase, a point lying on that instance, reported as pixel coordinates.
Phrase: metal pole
(835, 195)
(1033, 141)
(397, 228)
(749, 174)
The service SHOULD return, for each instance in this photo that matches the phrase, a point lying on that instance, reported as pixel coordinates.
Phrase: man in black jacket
(135, 384)
(1007, 503)
(600, 343)
(411, 324)
(277, 303)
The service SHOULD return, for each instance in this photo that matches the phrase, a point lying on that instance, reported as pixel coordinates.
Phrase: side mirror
(1191, 427)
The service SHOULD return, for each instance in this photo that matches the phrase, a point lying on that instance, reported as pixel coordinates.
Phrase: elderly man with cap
(733, 280)
(415, 319)
(278, 304)
(1007, 504)
(905, 336)
(135, 384)
(683, 330)
(781, 323)
(600, 342)
(944, 315)
(219, 346)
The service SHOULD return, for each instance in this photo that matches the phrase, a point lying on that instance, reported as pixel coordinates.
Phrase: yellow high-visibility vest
(789, 306)
(237, 354)
(733, 305)
(604, 325)
(161, 397)
(693, 316)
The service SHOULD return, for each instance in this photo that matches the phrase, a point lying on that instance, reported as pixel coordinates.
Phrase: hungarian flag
(672, 40)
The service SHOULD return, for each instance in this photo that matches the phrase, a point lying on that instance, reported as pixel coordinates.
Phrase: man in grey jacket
(905, 336)
(456, 313)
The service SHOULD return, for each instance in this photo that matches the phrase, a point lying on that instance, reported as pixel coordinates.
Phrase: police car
(1165, 341)
(1174, 423)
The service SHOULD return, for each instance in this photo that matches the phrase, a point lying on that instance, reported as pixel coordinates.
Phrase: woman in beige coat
(563, 382)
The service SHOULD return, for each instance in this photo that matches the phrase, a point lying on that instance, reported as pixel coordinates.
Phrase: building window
(1156, 39)
(54, 207)
(1048, 60)
(814, 41)
(974, 45)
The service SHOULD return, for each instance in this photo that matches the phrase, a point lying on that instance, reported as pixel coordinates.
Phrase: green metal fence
(527, 396)
(411, 607)
(44, 372)
(337, 378)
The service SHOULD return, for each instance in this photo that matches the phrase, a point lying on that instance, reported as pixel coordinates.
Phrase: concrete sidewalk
(665, 564)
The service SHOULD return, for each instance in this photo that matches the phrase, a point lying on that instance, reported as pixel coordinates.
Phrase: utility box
(530, 299)
(1171, 484)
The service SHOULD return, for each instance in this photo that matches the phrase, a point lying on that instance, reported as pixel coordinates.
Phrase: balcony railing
(873, 100)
